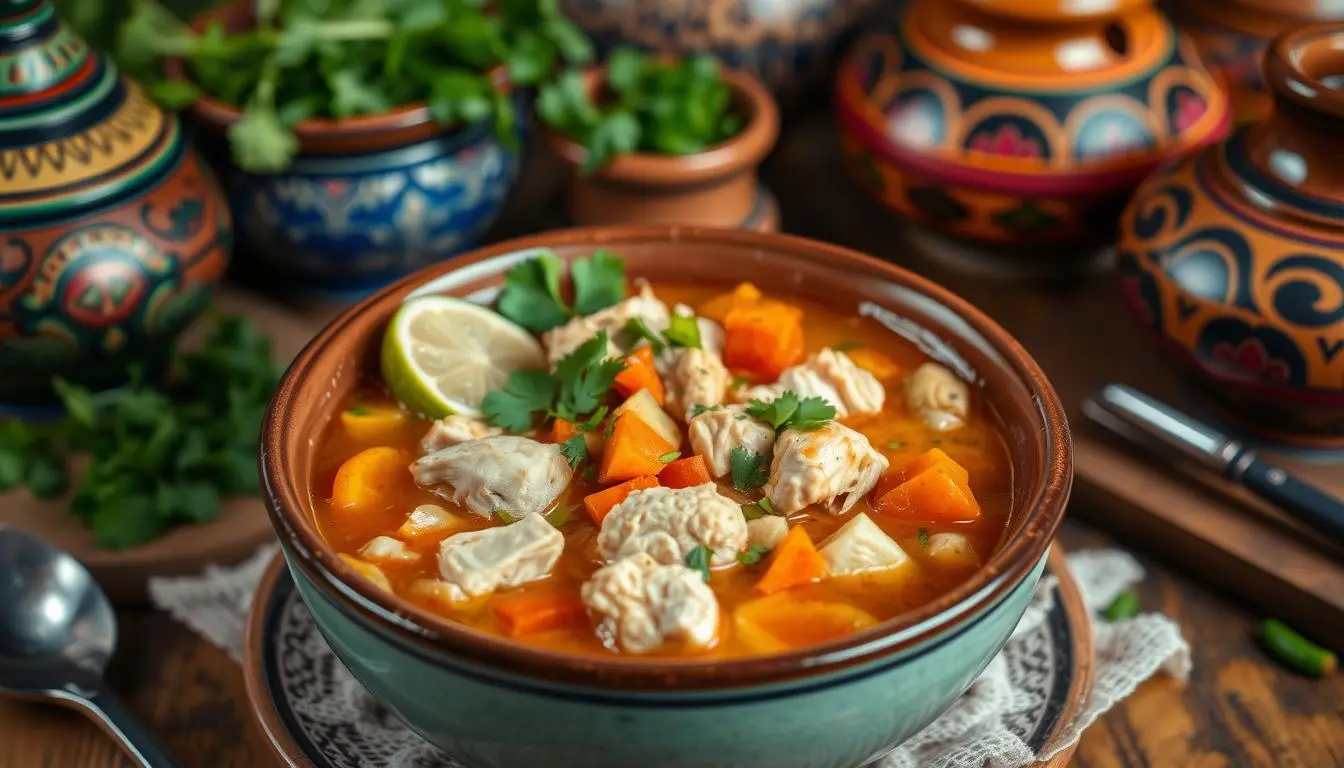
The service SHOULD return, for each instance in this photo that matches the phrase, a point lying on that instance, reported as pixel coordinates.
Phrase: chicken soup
(656, 470)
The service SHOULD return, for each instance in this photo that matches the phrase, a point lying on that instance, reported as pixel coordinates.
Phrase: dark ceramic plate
(314, 715)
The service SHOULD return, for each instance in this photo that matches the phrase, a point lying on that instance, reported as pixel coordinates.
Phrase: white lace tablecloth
(977, 731)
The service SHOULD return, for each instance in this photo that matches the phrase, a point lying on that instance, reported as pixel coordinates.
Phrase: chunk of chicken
(767, 532)
(820, 466)
(514, 474)
(568, 337)
(937, 396)
(860, 546)
(667, 523)
(695, 377)
(388, 551)
(714, 435)
(477, 563)
(430, 520)
(455, 429)
(952, 550)
(640, 604)
(832, 376)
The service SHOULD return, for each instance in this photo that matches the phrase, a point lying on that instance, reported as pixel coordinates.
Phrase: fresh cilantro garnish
(683, 331)
(923, 537)
(753, 554)
(788, 412)
(739, 382)
(516, 405)
(638, 329)
(752, 511)
(700, 408)
(559, 516)
(765, 504)
(532, 298)
(575, 450)
(594, 420)
(698, 560)
(575, 390)
(669, 457)
(504, 516)
(585, 376)
(749, 470)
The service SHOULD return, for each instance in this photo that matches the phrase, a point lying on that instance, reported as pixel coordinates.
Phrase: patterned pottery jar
(1234, 258)
(787, 44)
(366, 200)
(1232, 36)
(1012, 122)
(112, 231)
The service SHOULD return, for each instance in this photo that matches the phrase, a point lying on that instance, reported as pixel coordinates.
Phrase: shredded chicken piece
(517, 475)
(696, 377)
(641, 604)
(937, 396)
(714, 435)
(568, 337)
(832, 376)
(667, 523)
(820, 466)
(453, 430)
(477, 563)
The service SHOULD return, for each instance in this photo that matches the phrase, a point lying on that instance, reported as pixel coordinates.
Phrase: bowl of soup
(665, 497)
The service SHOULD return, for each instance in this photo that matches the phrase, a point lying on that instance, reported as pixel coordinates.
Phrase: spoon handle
(114, 718)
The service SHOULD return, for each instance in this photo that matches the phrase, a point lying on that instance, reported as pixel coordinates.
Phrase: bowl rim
(435, 636)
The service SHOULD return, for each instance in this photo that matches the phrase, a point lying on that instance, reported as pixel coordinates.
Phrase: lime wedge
(441, 355)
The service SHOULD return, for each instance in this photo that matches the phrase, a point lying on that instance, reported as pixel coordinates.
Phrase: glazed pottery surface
(1234, 258)
(367, 200)
(787, 44)
(112, 231)
(1019, 123)
(838, 704)
(713, 188)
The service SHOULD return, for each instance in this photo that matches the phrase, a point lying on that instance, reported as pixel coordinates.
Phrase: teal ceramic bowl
(494, 703)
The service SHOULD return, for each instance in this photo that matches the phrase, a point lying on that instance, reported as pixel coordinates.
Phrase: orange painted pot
(112, 231)
(1012, 122)
(1234, 258)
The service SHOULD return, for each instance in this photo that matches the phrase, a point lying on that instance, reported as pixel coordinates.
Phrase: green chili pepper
(1126, 606)
(1297, 652)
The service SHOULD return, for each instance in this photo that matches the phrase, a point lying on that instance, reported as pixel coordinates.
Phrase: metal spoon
(57, 631)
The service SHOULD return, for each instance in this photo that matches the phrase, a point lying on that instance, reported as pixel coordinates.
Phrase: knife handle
(1306, 503)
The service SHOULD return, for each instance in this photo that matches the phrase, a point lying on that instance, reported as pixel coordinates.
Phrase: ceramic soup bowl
(500, 704)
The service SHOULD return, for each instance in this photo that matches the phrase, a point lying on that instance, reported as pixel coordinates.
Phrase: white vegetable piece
(477, 563)
(643, 405)
(388, 551)
(952, 550)
(767, 531)
(861, 547)
(429, 520)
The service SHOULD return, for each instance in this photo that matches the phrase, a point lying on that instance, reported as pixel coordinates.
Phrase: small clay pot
(1234, 258)
(714, 188)
(1232, 36)
(1020, 122)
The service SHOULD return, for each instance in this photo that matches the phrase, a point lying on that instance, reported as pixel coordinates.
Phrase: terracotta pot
(1234, 258)
(787, 44)
(367, 200)
(1009, 123)
(112, 231)
(714, 188)
(1232, 36)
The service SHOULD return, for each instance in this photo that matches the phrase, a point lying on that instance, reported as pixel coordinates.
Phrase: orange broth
(899, 435)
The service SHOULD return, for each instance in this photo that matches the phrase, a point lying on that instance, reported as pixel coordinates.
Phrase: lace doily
(1002, 721)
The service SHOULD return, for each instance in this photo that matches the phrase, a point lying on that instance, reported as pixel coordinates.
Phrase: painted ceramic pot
(112, 231)
(840, 704)
(1012, 122)
(1234, 258)
(787, 44)
(714, 188)
(1232, 36)
(367, 199)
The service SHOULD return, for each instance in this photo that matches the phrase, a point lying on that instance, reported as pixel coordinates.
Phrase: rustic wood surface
(1239, 709)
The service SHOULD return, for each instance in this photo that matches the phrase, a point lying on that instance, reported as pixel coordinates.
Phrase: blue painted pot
(495, 703)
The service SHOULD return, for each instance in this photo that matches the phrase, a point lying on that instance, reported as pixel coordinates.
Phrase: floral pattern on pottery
(1041, 160)
(111, 229)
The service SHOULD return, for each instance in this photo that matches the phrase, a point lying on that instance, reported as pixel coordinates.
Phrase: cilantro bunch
(646, 105)
(575, 390)
(343, 58)
(157, 457)
(532, 297)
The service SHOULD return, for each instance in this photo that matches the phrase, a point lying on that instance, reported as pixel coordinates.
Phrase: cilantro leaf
(531, 296)
(923, 537)
(698, 560)
(638, 329)
(788, 412)
(591, 423)
(559, 516)
(599, 282)
(700, 408)
(514, 406)
(813, 413)
(669, 457)
(575, 450)
(766, 505)
(585, 376)
(683, 331)
(752, 511)
(753, 554)
(749, 470)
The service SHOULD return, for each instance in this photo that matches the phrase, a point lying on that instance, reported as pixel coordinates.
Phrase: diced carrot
(537, 610)
(372, 423)
(934, 457)
(874, 362)
(599, 504)
(934, 495)
(780, 622)
(763, 339)
(794, 562)
(685, 473)
(562, 430)
(634, 449)
(640, 374)
(717, 308)
(370, 479)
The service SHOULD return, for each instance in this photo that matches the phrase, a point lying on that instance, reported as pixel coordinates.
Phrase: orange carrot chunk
(717, 308)
(794, 562)
(763, 339)
(640, 374)
(600, 504)
(635, 449)
(874, 362)
(537, 610)
(934, 495)
(562, 430)
(370, 479)
(685, 473)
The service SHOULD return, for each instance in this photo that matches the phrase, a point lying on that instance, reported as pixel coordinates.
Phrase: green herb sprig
(576, 389)
(532, 298)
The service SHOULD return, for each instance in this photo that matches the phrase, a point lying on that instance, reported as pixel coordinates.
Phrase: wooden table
(1239, 709)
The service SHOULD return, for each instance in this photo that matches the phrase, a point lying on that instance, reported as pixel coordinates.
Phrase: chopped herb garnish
(504, 516)
(739, 382)
(765, 504)
(923, 537)
(752, 511)
(558, 517)
(698, 560)
(526, 395)
(669, 457)
(531, 296)
(599, 282)
(581, 379)
(594, 420)
(357, 410)
(753, 555)
(589, 472)
(749, 470)
(894, 445)
(700, 408)
(683, 331)
(638, 329)
(607, 430)
(575, 450)
(788, 412)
